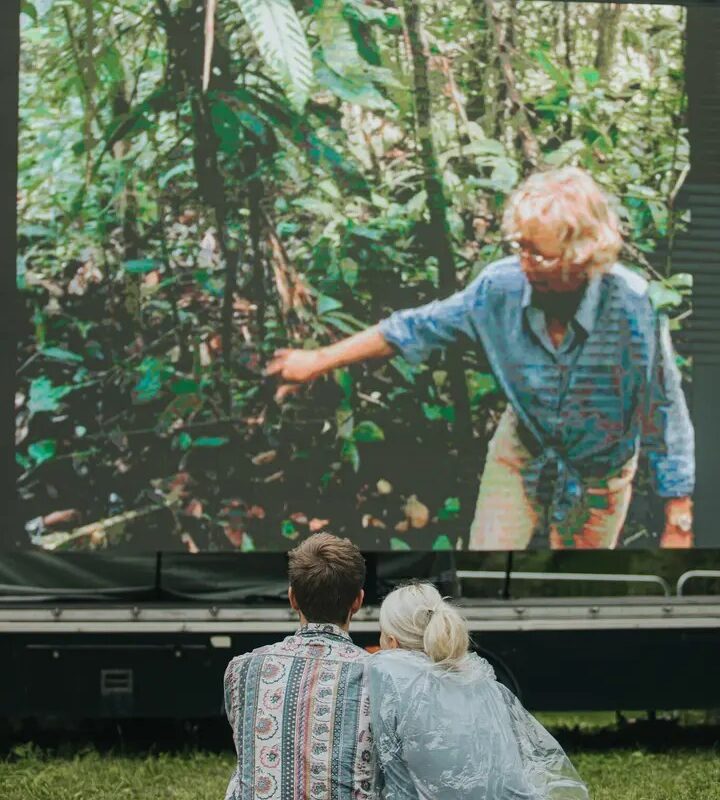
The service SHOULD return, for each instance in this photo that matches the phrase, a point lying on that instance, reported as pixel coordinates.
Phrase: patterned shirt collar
(322, 629)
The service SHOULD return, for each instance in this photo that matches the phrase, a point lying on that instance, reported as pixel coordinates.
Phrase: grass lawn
(674, 758)
(614, 775)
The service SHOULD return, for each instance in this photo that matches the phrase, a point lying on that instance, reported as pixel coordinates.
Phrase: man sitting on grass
(299, 708)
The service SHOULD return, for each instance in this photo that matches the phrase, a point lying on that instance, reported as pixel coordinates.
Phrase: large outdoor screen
(214, 196)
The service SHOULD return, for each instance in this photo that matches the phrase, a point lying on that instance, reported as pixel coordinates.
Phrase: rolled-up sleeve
(417, 332)
(668, 435)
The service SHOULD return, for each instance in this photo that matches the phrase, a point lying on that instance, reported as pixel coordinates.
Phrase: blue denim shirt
(584, 408)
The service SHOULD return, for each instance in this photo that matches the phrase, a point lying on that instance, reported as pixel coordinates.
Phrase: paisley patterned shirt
(300, 716)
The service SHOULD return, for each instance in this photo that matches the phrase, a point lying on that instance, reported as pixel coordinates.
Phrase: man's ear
(292, 599)
(357, 603)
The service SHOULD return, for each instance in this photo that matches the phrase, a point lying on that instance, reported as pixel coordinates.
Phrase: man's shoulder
(243, 660)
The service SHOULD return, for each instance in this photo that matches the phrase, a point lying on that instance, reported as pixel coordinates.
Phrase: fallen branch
(97, 534)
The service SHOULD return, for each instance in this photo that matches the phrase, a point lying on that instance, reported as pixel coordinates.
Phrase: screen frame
(697, 252)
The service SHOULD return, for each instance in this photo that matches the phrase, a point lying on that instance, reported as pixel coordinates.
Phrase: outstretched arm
(301, 366)
(413, 333)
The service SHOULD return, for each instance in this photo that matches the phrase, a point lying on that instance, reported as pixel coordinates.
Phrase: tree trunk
(567, 37)
(608, 22)
(478, 71)
(528, 143)
(185, 36)
(437, 207)
(257, 281)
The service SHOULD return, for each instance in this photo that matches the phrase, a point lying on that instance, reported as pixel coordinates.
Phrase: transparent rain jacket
(460, 735)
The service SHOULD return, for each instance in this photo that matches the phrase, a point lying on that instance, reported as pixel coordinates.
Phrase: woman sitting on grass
(444, 728)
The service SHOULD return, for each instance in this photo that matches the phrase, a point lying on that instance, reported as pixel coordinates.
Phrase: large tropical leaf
(338, 46)
(280, 38)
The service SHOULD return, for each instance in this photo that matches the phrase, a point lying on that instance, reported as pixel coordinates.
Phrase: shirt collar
(587, 311)
(322, 629)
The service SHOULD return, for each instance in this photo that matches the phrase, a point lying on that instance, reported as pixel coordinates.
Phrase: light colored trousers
(505, 518)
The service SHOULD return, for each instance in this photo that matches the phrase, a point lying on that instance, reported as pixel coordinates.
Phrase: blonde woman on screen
(586, 365)
(444, 728)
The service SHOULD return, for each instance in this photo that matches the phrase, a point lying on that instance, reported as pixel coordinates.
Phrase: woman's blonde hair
(421, 619)
(569, 202)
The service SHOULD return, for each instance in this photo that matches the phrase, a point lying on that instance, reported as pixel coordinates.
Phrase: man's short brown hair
(326, 575)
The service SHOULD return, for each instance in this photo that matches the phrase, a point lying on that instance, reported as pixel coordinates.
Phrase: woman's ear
(388, 642)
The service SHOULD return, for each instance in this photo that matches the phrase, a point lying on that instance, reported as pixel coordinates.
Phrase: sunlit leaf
(325, 304)
(280, 38)
(140, 265)
(399, 544)
(42, 451)
(367, 431)
(663, 296)
(442, 543)
(60, 354)
(44, 397)
(210, 441)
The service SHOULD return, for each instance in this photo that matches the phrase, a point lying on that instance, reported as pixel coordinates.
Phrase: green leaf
(590, 76)
(367, 431)
(46, 397)
(480, 384)
(344, 380)
(442, 543)
(210, 441)
(153, 376)
(350, 454)
(680, 280)
(315, 206)
(59, 354)
(450, 509)
(178, 169)
(43, 451)
(185, 386)
(26, 7)
(559, 76)
(360, 10)
(22, 461)
(435, 412)
(404, 368)
(140, 265)
(338, 47)
(663, 296)
(279, 36)
(399, 544)
(325, 304)
(344, 420)
(356, 88)
(564, 153)
(349, 271)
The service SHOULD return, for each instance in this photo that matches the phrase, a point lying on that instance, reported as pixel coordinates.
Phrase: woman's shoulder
(398, 661)
(410, 663)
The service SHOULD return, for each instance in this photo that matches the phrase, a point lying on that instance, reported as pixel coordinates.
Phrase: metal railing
(692, 574)
(591, 577)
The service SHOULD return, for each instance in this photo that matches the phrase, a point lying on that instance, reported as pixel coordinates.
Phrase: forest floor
(635, 762)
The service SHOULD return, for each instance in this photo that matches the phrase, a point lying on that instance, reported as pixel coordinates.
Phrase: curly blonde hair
(570, 203)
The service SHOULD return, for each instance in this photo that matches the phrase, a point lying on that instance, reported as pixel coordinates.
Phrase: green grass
(615, 775)
(91, 776)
